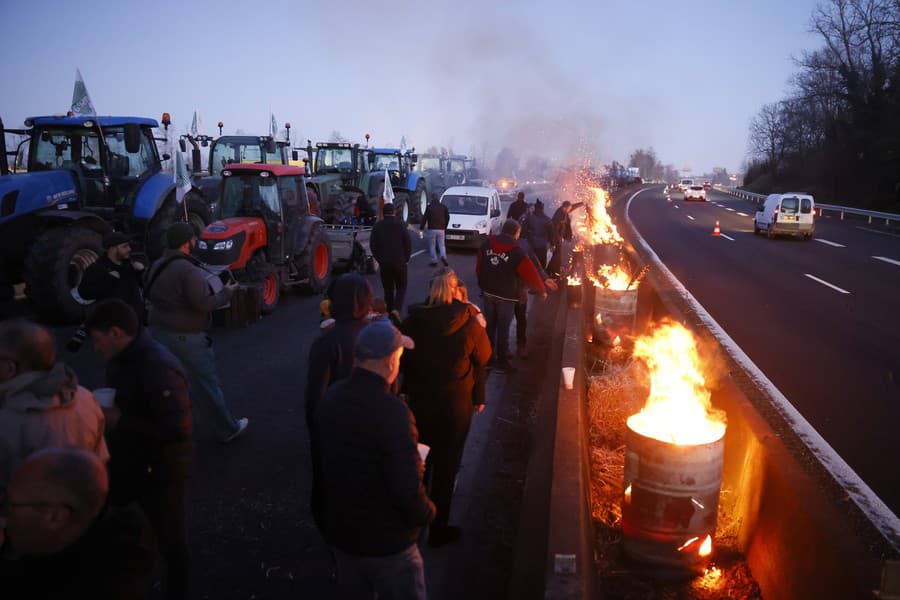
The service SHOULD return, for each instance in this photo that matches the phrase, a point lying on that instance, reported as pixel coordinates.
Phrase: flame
(573, 280)
(706, 547)
(601, 226)
(599, 319)
(687, 543)
(617, 341)
(628, 494)
(678, 409)
(616, 278)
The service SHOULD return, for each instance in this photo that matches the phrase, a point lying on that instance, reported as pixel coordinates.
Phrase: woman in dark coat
(444, 378)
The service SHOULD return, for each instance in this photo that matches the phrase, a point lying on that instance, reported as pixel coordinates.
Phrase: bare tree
(766, 134)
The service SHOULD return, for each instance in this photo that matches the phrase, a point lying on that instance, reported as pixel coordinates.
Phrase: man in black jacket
(148, 431)
(518, 208)
(374, 504)
(115, 275)
(435, 221)
(536, 230)
(391, 247)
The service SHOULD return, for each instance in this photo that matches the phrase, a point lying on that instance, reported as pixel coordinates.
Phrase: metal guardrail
(843, 210)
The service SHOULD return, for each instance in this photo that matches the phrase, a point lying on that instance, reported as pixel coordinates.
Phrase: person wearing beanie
(518, 208)
(114, 275)
(392, 248)
(181, 302)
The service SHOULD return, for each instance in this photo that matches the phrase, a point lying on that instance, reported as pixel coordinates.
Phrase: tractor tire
(54, 267)
(167, 214)
(197, 222)
(316, 262)
(401, 207)
(264, 276)
(420, 202)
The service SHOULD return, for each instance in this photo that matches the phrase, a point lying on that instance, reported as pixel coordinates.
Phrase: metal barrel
(574, 294)
(615, 302)
(671, 500)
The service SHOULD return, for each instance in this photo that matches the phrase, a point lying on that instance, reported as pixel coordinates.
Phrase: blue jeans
(498, 314)
(398, 576)
(196, 355)
(437, 236)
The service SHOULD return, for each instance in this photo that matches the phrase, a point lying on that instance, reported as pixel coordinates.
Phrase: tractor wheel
(265, 277)
(54, 267)
(401, 206)
(420, 200)
(317, 262)
(167, 214)
(197, 221)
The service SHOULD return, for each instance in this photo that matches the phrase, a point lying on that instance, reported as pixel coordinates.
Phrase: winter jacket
(516, 210)
(560, 227)
(373, 502)
(437, 216)
(181, 298)
(331, 354)
(537, 229)
(112, 560)
(501, 264)
(47, 409)
(154, 430)
(105, 279)
(390, 242)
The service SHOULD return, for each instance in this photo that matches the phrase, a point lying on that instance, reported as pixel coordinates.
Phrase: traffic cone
(716, 228)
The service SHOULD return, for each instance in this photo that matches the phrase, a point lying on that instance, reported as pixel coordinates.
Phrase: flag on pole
(388, 195)
(81, 100)
(182, 177)
(402, 143)
(196, 125)
(273, 126)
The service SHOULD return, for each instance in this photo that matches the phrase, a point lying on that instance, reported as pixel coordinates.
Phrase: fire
(706, 547)
(599, 319)
(573, 280)
(602, 230)
(678, 410)
(703, 549)
(617, 341)
(612, 277)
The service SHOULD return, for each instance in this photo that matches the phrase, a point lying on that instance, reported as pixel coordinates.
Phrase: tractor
(441, 171)
(267, 235)
(206, 184)
(86, 175)
(410, 187)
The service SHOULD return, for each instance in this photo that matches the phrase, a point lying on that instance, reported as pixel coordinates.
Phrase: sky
(570, 80)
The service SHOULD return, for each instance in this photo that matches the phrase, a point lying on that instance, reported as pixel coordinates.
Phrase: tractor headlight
(226, 245)
(201, 244)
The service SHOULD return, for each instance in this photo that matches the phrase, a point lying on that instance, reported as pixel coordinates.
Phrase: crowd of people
(96, 490)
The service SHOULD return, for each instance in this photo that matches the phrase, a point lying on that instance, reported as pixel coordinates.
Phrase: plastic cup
(106, 397)
(569, 377)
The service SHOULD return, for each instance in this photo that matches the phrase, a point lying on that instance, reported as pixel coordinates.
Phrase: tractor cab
(398, 164)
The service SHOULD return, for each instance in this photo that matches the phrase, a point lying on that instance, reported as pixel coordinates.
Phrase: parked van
(790, 213)
(474, 214)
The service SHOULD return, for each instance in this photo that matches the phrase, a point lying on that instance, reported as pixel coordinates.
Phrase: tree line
(837, 133)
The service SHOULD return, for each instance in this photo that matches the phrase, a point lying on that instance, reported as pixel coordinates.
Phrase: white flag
(388, 195)
(81, 100)
(182, 177)
(196, 125)
(273, 126)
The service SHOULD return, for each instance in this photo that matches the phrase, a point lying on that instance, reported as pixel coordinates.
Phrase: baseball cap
(114, 238)
(178, 233)
(379, 339)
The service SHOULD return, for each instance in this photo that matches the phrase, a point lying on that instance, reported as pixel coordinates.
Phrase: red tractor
(265, 233)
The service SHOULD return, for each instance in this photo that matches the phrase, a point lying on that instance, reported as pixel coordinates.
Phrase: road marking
(823, 282)
(829, 242)
(719, 205)
(726, 237)
(743, 214)
(731, 209)
(870, 230)
(887, 260)
(676, 206)
(690, 217)
(415, 254)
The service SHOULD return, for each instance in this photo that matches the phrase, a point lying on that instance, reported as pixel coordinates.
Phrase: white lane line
(690, 217)
(719, 205)
(829, 242)
(676, 206)
(415, 254)
(726, 237)
(823, 282)
(887, 260)
(731, 209)
(870, 230)
(743, 214)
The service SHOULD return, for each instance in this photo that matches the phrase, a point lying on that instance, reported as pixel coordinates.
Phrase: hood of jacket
(438, 319)
(39, 390)
(350, 296)
(503, 243)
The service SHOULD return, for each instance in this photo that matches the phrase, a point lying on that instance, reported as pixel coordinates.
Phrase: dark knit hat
(179, 233)
(388, 209)
(114, 238)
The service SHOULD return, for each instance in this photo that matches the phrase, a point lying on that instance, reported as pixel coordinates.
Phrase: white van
(474, 214)
(790, 213)
(685, 184)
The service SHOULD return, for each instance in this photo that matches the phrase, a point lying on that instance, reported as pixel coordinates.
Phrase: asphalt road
(250, 529)
(820, 318)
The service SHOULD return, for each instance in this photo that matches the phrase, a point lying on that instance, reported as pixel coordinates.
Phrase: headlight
(226, 245)
(481, 224)
(201, 244)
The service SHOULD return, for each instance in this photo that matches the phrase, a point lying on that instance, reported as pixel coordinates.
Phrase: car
(707, 185)
(695, 192)
(474, 214)
(685, 184)
(790, 213)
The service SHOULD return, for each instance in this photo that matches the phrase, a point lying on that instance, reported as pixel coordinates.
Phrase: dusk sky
(563, 80)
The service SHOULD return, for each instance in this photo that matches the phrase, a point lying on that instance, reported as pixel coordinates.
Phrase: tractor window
(226, 154)
(125, 164)
(386, 162)
(334, 160)
(292, 197)
(457, 166)
(429, 164)
(249, 196)
(65, 149)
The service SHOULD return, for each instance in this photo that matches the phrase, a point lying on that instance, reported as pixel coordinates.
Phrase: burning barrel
(673, 457)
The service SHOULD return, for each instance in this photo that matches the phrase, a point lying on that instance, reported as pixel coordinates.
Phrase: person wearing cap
(373, 502)
(392, 248)
(181, 300)
(115, 275)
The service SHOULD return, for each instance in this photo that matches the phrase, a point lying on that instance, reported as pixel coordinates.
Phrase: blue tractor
(410, 187)
(86, 175)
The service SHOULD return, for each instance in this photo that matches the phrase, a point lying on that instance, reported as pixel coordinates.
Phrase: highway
(820, 318)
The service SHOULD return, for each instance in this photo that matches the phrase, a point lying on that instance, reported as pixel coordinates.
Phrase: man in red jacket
(501, 265)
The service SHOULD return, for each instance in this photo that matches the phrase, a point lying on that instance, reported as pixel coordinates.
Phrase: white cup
(106, 397)
(569, 377)
(424, 449)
